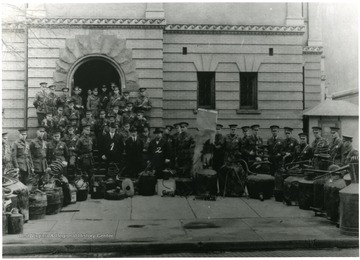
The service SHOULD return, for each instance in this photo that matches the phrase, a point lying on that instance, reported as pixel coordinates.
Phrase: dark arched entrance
(94, 73)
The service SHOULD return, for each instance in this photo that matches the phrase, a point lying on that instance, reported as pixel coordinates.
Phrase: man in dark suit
(159, 152)
(112, 146)
(133, 149)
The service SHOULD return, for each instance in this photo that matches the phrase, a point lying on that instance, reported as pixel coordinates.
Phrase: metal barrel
(53, 201)
(349, 210)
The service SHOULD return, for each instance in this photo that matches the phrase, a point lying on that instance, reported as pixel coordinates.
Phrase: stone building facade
(252, 62)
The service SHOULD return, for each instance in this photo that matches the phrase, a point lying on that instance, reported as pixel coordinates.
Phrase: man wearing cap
(6, 152)
(320, 148)
(335, 145)
(289, 144)
(185, 150)
(140, 121)
(89, 120)
(142, 101)
(124, 132)
(124, 100)
(39, 102)
(104, 97)
(58, 150)
(348, 153)
(133, 150)
(231, 146)
(93, 103)
(71, 113)
(49, 125)
(303, 150)
(51, 99)
(100, 125)
(128, 114)
(159, 153)
(38, 149)
(274, 148)
(111, 148)
(251, 149)
(119, 120)
(60, 120)
(110, 120)
(21, 157)
(70, 139)
(83, 149)
(63, 98)
(245, 131)
(168, 137)
(219, 143)
(115, 99)
(78, 101)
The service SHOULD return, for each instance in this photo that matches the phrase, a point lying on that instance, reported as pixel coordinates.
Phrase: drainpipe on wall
(26, 85)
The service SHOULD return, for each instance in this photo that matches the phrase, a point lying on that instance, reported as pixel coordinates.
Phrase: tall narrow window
(206, 90)
(248, 90)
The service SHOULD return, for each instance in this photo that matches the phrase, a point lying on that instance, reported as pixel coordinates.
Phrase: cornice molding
(313, 50)
(96, 22)
(233, 29)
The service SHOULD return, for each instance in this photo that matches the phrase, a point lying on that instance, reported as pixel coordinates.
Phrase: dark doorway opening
(94, 73)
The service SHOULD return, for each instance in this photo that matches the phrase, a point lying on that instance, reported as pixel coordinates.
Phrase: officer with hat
(6, 152)
(252, 146)
(51, 100)
(289, 144)
(104, 96)
(219, 146)
(78, 101)
(83, 149)
(185, 150)
(119, 120)
(49, 125)
(245, 130)
(58, 150)
(115, 99)
(303, 150)
(93, 102)
(176, 140)
(320, 148)
(128, 113)
(39, 102)
(274, 148)
(133, 150)
(64, 97)
(124, 100)
(21, 157)
(100, 124)
(71, 113)
(335, 145)
(60, 120)
(140, 121)
(231, 146)
(142, 101)
(348, 153)
(70, 139)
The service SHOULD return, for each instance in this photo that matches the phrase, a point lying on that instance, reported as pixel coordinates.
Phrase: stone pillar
(315, 34)
(294, 15)
(154, 11)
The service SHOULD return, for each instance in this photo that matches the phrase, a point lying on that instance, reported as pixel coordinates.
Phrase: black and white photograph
(180, 129)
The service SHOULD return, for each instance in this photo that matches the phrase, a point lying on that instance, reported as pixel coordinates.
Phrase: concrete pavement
(176, 224)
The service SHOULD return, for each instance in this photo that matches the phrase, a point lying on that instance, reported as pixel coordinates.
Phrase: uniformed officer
(348, 153)
(104, 97)
(64, 97)
(142, 101)
(219, 145)
(124, 100)
(6, 152)
(39, 103)
(128, 114)
(70, 139)
(51, 100)
(89, 120)
(124, 132)
(289, 144)
(335, 145)
(110, 120)
(319, 147)
(93, 103)
(176, 140)
(303, 149)
(78, 102)
(140, 122)
(245, 130)
(83, 149)
(115, 99)
(159, 153)
(274, 147)
(231, 146)
(100, 125)
(58, 150)
(71, 113)
(49, 125)
(119, 120)
(251, 150)
(21, 157)
(185, 150)
(60, 120)
(38, 149)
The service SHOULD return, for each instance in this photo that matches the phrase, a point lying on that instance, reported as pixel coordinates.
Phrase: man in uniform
(335, 145)
(245, 130)
(83, 149)
(70, 139)
(111, 148)
(176, 140)
(21, 157)
(231, 146)
(133, 150)
(60, 120)
(89, 120)
(185, 150)
(78, 102)
(128, 114)
(57, 149)
(142, 101)
(319, 147)
(104, 97)
(71, 113)
(219, 145)
(39, 102)
(348, 153)
(38, 149)
(49, 125)
(140, 121)
(274, 147)
(303, 149)
(100, 125)
(63, 98)
(115, 100)
(251, 149)
(124, 132)
(289, 144)
(119, 120)
(51, 100)
(6, 152)
(93, 103)
(159, 153)
(124, 100)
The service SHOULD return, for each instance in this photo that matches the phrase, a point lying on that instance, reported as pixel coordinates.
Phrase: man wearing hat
(78, 101)
(320, 148)
(185, 150)
(93, 103)
(119, 120)
(71, 113)
(159, 153)
(303, 149)
(335, 145)
(251, 149)
(100, 125)
(21, 157)
(128, 113)
(142, 101)
(89, 120)
(111, 148)
(274, 148)
(104, 96)
(6, 152)
(83, 149)
(133, 150)
(124, 132)
(70, 139)
(140, 121)
(58, 150)
(348, 153)
(289, 144)
(115, 99)
(38, 149)
(245, 131)
(63, 98)
(219, 143)
(49, 125)
(51, 100)
(39, 102)
(231, 146)
(60, 120)
(124, 99)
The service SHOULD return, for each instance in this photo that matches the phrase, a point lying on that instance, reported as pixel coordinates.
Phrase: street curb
(200, 246)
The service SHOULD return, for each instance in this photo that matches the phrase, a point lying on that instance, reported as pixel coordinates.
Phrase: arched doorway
(94, 73)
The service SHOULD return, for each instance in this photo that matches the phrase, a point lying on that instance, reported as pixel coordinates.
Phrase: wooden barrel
(332, 197)
(22, 193)
(37, 205)
(349, 210)
(53, 201)
(206, 182)
(260, 186)
(306, 194)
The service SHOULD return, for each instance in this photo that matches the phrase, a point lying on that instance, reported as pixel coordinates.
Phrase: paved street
(156, 222)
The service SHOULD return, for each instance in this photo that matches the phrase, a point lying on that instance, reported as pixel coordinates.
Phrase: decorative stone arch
(84, 48)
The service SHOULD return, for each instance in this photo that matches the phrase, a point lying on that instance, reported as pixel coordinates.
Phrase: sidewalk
(144, 224)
